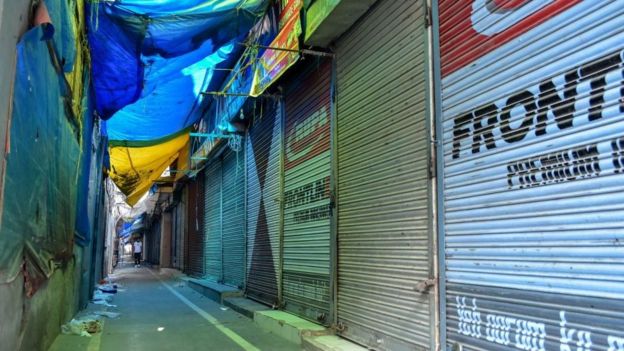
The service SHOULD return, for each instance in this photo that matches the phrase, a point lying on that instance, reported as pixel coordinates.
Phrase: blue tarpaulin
(174, 96)
(41, 172)
(239, 82)
(133, 226)
(152, 59)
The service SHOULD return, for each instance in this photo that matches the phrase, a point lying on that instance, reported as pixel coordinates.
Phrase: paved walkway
(158, 312)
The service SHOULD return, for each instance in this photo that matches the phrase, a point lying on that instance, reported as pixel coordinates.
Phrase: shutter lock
(424, 286)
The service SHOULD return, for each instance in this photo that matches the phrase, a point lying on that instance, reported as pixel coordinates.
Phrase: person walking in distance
(137, 246)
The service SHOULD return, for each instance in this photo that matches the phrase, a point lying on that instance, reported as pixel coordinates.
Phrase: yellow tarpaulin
(75, 77)
(134, 169)
(183, 162)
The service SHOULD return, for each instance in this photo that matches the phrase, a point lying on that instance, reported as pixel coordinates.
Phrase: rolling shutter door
(180, 229)
(153, 243)
(264, 149)
(533, 153)
(233, 227)
(213, 245)
(175, 232)
(306, 257)
(194, 243)
(174, 235)
(383, 180)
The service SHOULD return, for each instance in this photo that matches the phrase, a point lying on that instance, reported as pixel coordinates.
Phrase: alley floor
(159, 312)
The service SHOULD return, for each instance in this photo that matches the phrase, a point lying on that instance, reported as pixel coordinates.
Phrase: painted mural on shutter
(533, 160)
(194, 243)
(213, 252)
(383, 189)
(306, 259)
(264, 146)
(233, 214)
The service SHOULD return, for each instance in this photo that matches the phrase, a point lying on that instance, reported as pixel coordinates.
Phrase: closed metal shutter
(264, 150)
(174, 235)
(213, 251)
(152, 243)
(175, 231)
(533, 160)
(178, 233)
(383, 180)
(306, 257)
(194, 242)
(233, 214)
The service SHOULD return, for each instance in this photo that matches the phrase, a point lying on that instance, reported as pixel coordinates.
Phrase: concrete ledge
(329, 343)
(244, 306)
(288, 326)
(214, 291)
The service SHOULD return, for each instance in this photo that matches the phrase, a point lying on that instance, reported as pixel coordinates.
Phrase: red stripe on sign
(508, 4)
(461, 44)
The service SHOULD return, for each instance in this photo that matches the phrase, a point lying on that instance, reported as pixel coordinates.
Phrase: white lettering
(469, 319)
(568, 336)
(615, 343)
(498, 328)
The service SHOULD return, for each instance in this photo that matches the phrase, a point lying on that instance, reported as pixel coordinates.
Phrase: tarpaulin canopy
(139, 45)
(151, 62)
(239, 82)
(133, 226)
(133, 169)
(171, 101)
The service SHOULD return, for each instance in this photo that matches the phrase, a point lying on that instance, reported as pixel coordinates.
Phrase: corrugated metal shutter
(213, 252)
(383, 180)
(264, 149)
(233, 214)
(174, 236)
(152, 241)
(194, 242)
(306, 257)
(532, 128)
(178, 233)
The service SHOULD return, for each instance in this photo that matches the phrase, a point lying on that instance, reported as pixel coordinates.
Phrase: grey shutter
(384, 202)
(233, 229)
(212, 216)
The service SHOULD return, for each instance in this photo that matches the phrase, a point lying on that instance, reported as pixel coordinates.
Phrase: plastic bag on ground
(100, 295)
(111, 315)
(84, 326)
(102, 298)
(108, 288)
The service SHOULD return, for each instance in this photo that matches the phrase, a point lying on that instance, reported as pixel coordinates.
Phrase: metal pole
(333, 241)
(300, 51)
(438, 182)
(219, 93)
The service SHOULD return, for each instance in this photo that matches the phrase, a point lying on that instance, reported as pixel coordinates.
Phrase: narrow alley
(315, 175)
(159, 312)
